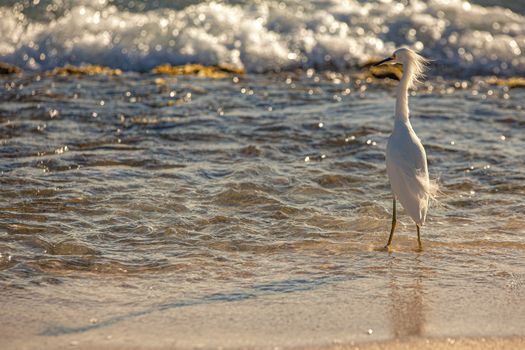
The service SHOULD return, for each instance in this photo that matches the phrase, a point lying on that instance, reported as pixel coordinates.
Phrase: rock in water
(6, 68)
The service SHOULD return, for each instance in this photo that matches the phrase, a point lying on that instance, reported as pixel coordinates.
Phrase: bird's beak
(383, 61)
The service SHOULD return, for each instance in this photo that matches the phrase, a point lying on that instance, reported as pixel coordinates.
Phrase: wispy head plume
(416, 65)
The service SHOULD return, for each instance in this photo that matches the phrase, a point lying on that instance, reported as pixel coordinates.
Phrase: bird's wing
(408, 175)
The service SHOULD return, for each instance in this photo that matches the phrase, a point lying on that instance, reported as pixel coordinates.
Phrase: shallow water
(261, 196)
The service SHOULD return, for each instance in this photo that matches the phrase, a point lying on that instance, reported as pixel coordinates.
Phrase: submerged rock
(85, 70)
(512, 82)
(217, 72)
(6, 68)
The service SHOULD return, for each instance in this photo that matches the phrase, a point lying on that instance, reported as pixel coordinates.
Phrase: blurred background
(465, 38)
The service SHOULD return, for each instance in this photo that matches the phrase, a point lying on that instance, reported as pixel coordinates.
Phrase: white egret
(406, 160)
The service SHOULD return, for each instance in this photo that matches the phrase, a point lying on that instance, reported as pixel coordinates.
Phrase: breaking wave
(261, 36)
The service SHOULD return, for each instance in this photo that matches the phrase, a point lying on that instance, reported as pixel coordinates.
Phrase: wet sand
(144, 339)
(511, 343)
(405, 344)
(439, 344)
(405, 311)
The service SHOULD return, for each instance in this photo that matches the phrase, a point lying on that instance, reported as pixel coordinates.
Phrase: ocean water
(252, 211)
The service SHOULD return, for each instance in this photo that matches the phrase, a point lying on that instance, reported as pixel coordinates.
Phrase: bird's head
(402, 55)
(413, 63)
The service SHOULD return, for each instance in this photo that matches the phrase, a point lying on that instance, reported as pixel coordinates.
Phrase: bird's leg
(419, 238)
(393, 223)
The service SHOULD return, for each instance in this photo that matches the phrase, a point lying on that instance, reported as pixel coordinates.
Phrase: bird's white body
(406, 165)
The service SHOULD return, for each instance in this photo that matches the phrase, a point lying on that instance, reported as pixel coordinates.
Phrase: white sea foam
(267, 35)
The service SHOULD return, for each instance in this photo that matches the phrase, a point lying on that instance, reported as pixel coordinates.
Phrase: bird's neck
(402, 111)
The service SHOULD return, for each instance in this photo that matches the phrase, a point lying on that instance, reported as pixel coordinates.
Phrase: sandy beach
(404, 311)
(441, 344)
(511, 343)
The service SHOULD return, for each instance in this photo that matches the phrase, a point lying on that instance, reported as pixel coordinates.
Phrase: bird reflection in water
(407, 300)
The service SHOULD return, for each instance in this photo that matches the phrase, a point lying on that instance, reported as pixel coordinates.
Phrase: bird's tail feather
(434, 192)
